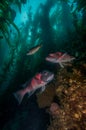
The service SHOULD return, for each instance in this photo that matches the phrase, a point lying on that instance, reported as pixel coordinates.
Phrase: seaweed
(6, 20)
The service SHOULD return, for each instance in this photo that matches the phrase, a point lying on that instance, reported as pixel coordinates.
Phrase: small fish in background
(37, 82)
(34, 49)
(60, 58)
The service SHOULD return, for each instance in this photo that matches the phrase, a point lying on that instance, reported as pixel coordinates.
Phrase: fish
(34, 49)
(61, 58)
(39, 81)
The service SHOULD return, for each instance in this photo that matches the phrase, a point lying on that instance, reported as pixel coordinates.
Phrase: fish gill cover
(51, 25)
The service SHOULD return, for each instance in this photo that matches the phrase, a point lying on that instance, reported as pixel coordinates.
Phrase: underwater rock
(46, 98)
(71, 93)
(54, 109)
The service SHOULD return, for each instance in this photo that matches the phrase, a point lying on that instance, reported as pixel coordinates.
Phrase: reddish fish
(60, 58)
(37, 82)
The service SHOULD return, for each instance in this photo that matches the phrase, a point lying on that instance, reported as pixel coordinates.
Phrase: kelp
(81, 4)
(6, 20)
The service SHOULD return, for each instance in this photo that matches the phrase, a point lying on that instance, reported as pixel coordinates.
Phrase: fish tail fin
(19, 95)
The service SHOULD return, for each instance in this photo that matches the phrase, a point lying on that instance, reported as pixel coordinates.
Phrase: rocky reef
(65, 99)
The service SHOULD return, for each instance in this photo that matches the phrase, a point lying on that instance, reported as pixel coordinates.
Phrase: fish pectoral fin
(26, 84)
(30, 93)
(62, 66)
(42, 89)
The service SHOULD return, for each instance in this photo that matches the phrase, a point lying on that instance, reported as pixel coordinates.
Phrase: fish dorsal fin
(26, 84)
(63, 56)
(59, 53)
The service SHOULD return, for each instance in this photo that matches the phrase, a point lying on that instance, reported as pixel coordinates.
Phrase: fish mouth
(49, 58)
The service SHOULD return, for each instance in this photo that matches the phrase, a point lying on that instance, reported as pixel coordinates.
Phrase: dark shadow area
(27, 116)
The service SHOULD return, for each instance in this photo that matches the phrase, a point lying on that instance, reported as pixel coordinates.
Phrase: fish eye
(44, 72)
